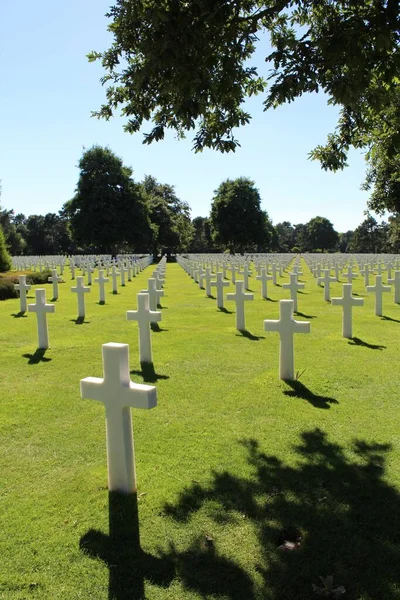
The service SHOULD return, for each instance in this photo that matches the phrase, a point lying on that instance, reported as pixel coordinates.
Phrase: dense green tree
(321, 235)
(370, 237)
(108, 212)
(172, 230)
(285, 233)
(188, 65)
(202, 239)
(344, 241)
(5, 259)
(237, 221)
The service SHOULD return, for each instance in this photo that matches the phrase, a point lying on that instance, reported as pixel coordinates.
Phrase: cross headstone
(101, 280)
(55, 280)
(220, 284)
(89, 270)
(264, 278)
(22, 287)
(114, 279)
(326, 279)
(119, 394)
(154, 293)
(396, 283)
(144, 316)
(366, 272)
(123, 271)
(379, 289)
(293, 286)
(80, 290)
(240, 297)
(41, 309)
(286, 326)
(349, 275)
(209, 278)
(347, 301)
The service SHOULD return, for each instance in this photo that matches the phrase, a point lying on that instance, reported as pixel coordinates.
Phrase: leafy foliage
(5, 259)
(108, 211)
(321, 235)
(170, 217)
(238, 223)
(187, 66)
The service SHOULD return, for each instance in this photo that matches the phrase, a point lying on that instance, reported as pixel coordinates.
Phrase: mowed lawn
(231, 464)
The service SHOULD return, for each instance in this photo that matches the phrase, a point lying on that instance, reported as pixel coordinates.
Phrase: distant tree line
(111, 213)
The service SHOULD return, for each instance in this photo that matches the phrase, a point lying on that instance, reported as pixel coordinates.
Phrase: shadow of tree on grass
(348, 517)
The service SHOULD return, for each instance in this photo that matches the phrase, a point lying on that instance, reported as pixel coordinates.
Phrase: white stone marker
(347, 301)
(366, 273)
(378, 288)
(114, 276)
(240, 297)
(123, 271)
(286, 326)
(349, 275)
(80, 290)
(209, 278)
(246, 275)
(264, 278)
(118, 393)
(144, 316)
(154, 293)
(326, 279)
(90, 270)
(55, 280)
(41, 309)
(396, 283)
(293, 286)
(23, 287)
(101, 280)
(220, 284)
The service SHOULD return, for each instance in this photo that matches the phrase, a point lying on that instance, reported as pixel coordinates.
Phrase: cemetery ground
(234, 466)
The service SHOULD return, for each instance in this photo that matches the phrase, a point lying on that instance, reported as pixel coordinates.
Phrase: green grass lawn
(231, 463)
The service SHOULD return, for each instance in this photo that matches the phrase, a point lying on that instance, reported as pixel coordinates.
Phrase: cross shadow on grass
(247, 334)
(211, 297)
(148, 373)
(37, 357)
(336, 497)
(226, 311)
(355, 341)
(101, 302)
(129, 566)
(299, 390)
(19, 315)
(162, 307)
(385, 318)
(300, 314)
(156, 328)
(80, 321)
(268, 299)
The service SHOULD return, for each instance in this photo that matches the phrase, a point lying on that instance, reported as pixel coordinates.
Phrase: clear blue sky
(48, 90)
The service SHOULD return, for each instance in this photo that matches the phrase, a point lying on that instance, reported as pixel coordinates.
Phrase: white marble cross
(41, 309)
(396, 283)
(347, 302)
(154, 293)
(80, 290)
(89, 270)
(114, 276)
(349, 275)
(264, 278)
(208, 276)
(240, 297)
(144, 316)
(366, 273)
(55, 280)
(378, 288)
(286, 326)
(123, 271)
(293, 286)
(118, 394)
(159, 279)
(220, 284)
(72, 268)
(326, 279)
(22, 287)
(101, 280)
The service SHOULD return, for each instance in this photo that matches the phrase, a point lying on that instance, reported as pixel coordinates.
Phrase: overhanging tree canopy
(187, 66)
